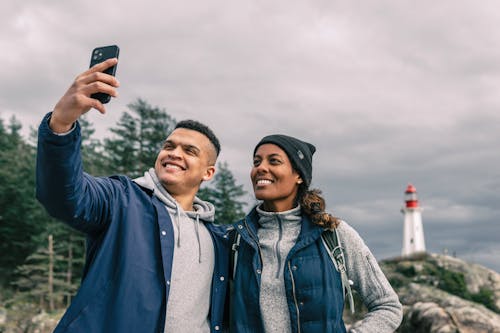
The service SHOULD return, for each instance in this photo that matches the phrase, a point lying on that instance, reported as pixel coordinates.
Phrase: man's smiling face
(187, 158)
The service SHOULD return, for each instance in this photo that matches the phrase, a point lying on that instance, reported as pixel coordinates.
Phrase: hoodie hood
(203, 210)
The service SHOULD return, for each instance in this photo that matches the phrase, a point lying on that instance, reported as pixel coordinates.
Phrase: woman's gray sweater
(278, 233)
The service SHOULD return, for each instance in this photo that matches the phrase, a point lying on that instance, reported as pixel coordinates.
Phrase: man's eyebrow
(168, 142)
(191, 147)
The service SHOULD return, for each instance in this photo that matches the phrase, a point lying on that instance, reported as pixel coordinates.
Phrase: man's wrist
(59, 128)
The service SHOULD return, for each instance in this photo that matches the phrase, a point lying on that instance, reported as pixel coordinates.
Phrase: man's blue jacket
(130, 243)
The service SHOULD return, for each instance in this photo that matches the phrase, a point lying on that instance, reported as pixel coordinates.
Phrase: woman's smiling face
(273, 178)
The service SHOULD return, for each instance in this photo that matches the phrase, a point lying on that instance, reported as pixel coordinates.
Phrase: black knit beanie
(299, 152)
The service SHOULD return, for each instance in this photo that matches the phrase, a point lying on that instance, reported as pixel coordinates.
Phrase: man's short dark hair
(201, 128)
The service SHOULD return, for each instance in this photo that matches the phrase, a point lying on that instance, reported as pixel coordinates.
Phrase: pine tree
(94, 161)
(225, 195)
(38, 280)
(19, 211)
(137, 138)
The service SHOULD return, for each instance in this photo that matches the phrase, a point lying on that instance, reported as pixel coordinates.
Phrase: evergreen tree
(94, 161)
(137, 139)
(225, 195)
(39, 280)
(19, 212)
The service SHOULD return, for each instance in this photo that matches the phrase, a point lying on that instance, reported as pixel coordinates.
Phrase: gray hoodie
(193, 263)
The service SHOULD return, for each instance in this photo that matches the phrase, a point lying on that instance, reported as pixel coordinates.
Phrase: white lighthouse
(413, 231)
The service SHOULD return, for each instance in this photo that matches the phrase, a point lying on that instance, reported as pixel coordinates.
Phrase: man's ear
(209, 173)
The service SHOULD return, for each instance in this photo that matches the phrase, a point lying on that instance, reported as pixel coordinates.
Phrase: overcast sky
(390, 92)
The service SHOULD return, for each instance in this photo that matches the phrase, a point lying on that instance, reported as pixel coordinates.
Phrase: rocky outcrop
(428, 309)
(442, 294)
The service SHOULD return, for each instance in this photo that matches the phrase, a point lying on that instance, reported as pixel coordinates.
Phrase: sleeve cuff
(60, 134)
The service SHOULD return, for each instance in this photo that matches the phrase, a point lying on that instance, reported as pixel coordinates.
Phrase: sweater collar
(309, 231)
(268, 220)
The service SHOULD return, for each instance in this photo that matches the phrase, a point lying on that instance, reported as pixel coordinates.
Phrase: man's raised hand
(77, 101)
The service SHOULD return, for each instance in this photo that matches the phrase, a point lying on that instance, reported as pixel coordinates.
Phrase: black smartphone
(100, 54)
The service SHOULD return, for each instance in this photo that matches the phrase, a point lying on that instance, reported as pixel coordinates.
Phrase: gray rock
(429, 309)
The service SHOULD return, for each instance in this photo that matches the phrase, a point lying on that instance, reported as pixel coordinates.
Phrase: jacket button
(259, 271)
(222, 278)
(240, 226)
(217, 328)
(163, 232)
(294, 268)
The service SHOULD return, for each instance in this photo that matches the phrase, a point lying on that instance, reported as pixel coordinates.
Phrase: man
(143, 273)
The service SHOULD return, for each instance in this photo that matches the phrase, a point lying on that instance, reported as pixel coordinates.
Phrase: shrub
(453, 282)
(486, 297)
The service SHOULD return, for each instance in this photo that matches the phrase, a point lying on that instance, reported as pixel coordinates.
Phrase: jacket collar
(309, 232)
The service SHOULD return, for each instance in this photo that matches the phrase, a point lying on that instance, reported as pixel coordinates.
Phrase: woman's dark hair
(313, 205)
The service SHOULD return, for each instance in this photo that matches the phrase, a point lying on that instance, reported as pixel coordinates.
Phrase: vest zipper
(256, 240)
(277, 246)
(295, 298)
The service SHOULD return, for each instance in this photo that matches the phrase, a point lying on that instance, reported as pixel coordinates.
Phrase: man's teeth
(173, 166)
(263, 182)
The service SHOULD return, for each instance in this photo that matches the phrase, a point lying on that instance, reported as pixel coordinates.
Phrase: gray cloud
(390, 92)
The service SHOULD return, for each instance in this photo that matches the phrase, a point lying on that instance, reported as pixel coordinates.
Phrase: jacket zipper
(277, 246)
(256, 240)
(294, 298)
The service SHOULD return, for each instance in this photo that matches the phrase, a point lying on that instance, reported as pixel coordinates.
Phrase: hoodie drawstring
(197, 229)
(178, 223)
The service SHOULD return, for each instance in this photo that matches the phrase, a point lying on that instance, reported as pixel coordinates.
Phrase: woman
(285, 279)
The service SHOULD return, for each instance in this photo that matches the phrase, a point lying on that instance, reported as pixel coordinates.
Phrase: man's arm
(61, 186)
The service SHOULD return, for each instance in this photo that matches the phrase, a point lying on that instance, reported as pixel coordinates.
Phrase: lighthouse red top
(411, 197)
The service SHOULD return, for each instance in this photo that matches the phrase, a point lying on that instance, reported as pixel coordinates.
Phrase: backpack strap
(330, 240)
(234, 253)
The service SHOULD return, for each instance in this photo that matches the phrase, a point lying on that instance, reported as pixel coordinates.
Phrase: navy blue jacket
(130, 243)
(313, 285)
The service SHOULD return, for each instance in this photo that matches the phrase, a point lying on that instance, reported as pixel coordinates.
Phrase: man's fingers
(98, 76)
(96, 104)
(102, 66)
(95, 72)
(99, 87)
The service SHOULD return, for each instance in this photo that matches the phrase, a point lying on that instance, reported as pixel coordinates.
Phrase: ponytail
(313, 205)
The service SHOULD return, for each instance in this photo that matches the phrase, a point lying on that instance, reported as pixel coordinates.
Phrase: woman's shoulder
(345, 229)
(348, 236)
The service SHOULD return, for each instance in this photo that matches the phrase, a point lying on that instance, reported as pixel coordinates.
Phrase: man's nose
(175, 153)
